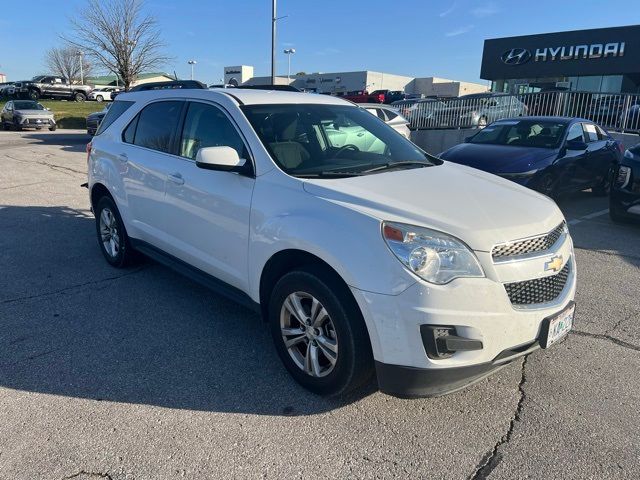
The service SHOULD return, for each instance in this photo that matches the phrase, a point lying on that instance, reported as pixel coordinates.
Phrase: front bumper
(478, 308)
(35, 122)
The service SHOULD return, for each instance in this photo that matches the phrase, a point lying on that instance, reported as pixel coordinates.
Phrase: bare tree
(118, 35)
(65, 62)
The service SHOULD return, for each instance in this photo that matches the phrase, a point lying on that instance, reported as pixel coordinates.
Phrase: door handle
(361, 134)
(176, 178)
(123, 158)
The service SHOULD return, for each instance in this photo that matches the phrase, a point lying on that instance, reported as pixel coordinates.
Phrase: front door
(207, 212)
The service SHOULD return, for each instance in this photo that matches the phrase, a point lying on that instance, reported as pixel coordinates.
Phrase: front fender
(284, 216)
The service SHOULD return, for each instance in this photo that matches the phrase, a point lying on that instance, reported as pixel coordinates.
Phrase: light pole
(274, 19)
(192, 63)
(289, 52)
(80, 53)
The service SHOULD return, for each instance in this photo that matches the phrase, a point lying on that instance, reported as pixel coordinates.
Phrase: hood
(499, 158)
(33, 113)
(478, 208)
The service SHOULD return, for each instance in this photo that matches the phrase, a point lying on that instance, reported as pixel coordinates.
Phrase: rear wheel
(112, 236)
(53, 128)
(319, 332)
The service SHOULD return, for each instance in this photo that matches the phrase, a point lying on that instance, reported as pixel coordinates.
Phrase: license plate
(556, 327)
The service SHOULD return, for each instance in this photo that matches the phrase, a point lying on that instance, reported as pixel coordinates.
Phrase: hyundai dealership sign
(602, 51)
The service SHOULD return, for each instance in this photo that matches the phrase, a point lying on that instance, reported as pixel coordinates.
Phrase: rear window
(117, 108)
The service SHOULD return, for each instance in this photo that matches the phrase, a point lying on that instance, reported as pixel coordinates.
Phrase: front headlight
(434, 256)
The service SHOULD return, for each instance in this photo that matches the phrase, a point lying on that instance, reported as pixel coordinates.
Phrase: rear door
(207, 212)
(145, 160)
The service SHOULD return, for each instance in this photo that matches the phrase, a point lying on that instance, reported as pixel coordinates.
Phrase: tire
(112, 235)
(605, 186)
(33, 95)
(615, 214)
(16, 126)
(342, 329)
(6, 126)
(99, 98)
(546, 185)
(79, 97)
(53, 128)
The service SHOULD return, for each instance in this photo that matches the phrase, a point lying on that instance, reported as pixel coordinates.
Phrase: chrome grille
(530, 245)
(539, 290)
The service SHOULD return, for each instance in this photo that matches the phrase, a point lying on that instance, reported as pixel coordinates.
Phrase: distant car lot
(144, 374)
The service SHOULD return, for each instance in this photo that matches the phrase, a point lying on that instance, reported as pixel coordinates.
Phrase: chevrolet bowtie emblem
(554, 264)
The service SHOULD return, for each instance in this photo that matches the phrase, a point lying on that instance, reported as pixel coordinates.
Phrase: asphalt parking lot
(143, 374)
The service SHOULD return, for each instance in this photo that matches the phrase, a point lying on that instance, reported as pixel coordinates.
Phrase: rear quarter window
(115, 111)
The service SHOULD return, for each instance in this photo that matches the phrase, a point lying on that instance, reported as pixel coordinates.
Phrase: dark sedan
(552, 155)
(625, 189)
(94, 119)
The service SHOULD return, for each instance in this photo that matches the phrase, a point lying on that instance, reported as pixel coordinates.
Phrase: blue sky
(410, 37)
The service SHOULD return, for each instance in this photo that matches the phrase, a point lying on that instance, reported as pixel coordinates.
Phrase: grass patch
(69, 114)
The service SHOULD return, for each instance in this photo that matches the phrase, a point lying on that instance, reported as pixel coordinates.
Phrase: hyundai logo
(516, 56)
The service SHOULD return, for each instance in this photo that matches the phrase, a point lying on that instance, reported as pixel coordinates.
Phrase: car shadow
(70, 142)
(74, 326)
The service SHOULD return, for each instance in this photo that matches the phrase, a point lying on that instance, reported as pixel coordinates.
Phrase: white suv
(363, 253)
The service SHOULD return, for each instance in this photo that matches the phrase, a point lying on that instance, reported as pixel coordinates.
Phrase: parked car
(94, 119)
(357, 96)
(624, 202)
(386, 96)
(478, 110)
(552, 155)
(101, 94)
(630, 118)
(51, 86)
(20, 114)
(390, 116)
(378, 259)
(7, 90)
(419, 112)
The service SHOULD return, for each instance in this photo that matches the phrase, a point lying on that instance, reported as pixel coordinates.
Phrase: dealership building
(343, 82)
(602, 60)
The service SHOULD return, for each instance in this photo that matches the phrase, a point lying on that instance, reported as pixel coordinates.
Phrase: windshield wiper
(329, 174)
(392, 165)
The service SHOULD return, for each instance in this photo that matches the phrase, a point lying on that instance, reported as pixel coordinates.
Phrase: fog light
(442, 341)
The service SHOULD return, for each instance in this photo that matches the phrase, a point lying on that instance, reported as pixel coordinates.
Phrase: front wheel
(604, 187)
(80, 97)
(112, 236)
(33, 95)
(319, 332)
(99, 98)
(546, 185)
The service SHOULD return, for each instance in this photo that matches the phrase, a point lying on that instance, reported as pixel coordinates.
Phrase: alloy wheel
(109, 233)
(309, 334)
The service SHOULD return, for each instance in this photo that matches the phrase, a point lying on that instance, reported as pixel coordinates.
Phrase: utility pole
(273, 42)
(192, 63)
(288, 52)
(80, 53)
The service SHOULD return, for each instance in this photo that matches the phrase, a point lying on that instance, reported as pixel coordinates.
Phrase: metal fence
(613, 111)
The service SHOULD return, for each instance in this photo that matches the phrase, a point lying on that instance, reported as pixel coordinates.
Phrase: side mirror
(576, 145)
(224, 159)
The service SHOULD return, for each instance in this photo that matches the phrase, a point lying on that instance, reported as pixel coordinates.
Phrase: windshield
(310, 140)
(522, 133)
(27, 105)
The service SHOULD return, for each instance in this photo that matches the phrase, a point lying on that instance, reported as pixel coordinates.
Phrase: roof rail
(284, 88)
(187, 84)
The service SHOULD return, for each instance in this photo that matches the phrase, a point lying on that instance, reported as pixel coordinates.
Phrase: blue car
(553, 155)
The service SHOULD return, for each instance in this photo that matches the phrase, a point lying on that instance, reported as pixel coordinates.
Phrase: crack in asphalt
(493, 458)
(88, 475)
(71, 287)
(603, 336)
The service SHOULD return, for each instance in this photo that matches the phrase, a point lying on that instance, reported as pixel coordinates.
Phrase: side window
(129, 133)
(157, 125)
(207, 126)
(117, 109)
(575, 133)
(591, 132)
(602, 135)
(390, 114)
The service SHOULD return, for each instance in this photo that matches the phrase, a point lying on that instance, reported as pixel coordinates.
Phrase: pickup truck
(377, 96)
(51, 86)
(358, 96)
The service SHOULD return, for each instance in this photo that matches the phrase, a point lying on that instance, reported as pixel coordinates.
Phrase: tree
(300, 74)
(118, 35)
(65, 62)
